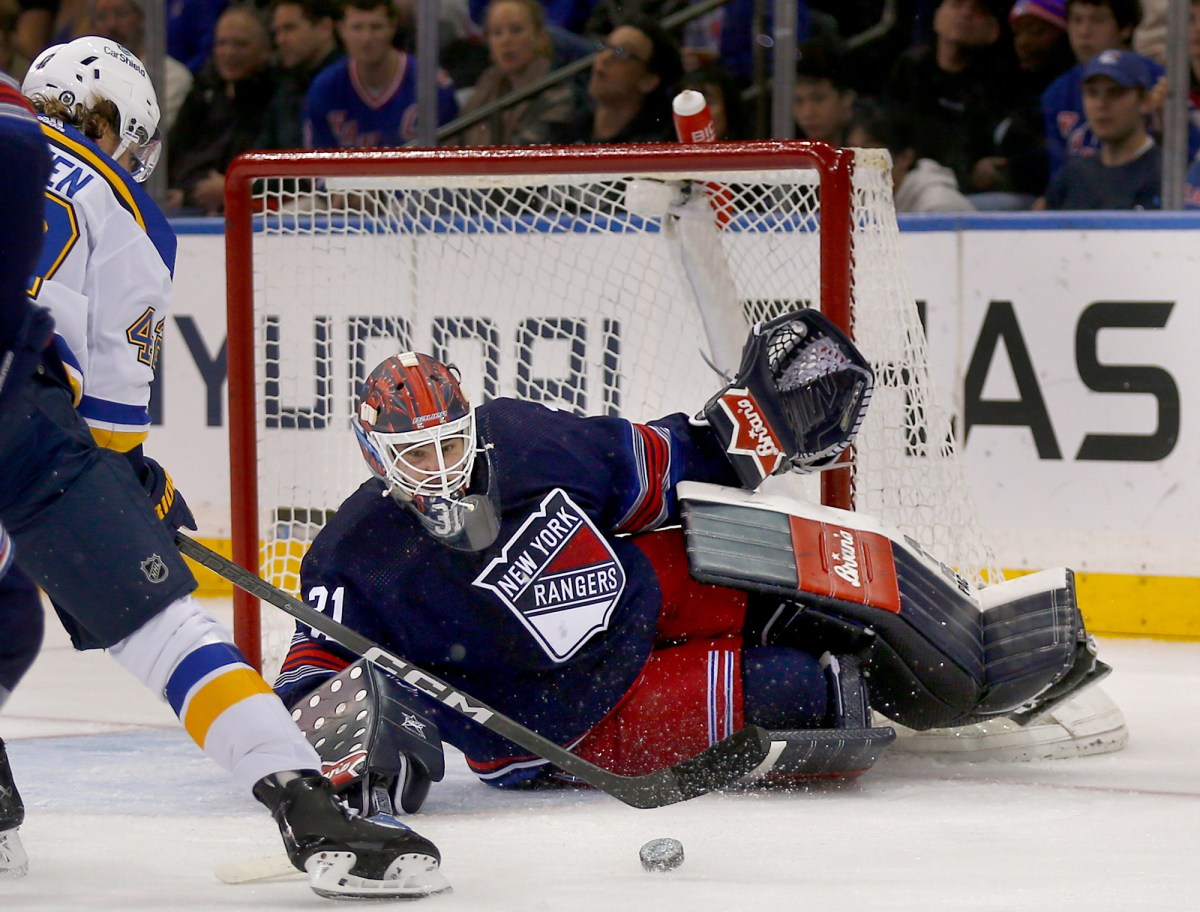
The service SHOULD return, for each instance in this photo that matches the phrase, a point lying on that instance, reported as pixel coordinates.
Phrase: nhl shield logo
(155, 569)
(558, 575)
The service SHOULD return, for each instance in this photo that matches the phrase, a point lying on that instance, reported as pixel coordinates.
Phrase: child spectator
(919, 184)
(1126, 171)
(822, 100)
(521, 54)
(369, 99)
(305, 33)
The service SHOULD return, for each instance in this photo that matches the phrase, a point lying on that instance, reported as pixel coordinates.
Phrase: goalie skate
(1089, 723)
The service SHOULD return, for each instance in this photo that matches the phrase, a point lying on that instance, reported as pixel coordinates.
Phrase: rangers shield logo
(558, 575)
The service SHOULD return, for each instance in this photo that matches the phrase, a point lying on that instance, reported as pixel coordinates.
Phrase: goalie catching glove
(797, 401)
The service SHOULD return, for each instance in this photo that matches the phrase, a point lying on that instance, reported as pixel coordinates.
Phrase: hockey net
(580, 277)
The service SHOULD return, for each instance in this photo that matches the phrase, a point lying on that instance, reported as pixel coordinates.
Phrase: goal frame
(834, 166)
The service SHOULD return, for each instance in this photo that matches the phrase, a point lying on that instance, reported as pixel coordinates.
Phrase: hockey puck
(662, 854)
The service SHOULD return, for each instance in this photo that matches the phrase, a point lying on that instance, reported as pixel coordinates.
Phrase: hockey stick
(257, 870)
(720, 765)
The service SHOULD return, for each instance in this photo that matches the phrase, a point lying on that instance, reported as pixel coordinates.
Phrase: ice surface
(125, 813)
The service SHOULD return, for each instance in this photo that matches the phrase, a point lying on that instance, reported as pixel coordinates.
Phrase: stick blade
(725, 763)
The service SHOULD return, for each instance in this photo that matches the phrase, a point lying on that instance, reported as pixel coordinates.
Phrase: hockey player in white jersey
(116, 580)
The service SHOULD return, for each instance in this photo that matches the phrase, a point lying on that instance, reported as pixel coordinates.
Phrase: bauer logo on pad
(847, 564)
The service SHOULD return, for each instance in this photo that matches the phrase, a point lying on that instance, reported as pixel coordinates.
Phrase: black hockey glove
(797, 401)
(18, 361)
(169, 504)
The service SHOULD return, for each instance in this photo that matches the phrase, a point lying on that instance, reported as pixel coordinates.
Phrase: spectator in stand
(822, 100)
(305, 33)
(566, 21)
(10, 60)
(522, 54)
(1126, 171)
(606, 15)
(191, 27)
(957, 89)
(42, 23)
(1191, 190)
(1018, 156)
(124, 22)
(368, 99)
(1094, 26)
(724, 100)
(919, 184)
(1150, 37)
(223, 114)
(1194, 58)
(631, 85)
(743, 51)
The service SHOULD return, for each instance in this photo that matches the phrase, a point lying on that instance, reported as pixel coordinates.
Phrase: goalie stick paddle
(720, 765)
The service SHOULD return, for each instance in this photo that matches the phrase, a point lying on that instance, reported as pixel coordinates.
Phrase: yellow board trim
(217, 696)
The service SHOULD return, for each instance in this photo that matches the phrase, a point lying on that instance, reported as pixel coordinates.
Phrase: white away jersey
(105, 274)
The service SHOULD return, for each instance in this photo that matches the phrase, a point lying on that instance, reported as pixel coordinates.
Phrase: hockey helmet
(92, 68)
(416, 430)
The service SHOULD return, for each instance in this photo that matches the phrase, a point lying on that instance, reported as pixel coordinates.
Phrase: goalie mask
(417, 434)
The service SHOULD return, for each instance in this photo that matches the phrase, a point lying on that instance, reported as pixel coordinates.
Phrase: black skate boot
(13, 861)
(345, 855)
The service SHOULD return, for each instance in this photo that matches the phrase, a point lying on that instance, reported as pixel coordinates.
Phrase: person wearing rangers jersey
(511, 550)
(368, 99)
(80, 523)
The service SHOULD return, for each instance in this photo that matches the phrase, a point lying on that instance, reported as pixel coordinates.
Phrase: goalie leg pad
(1033, 635)
(927, 663)
(376, 745)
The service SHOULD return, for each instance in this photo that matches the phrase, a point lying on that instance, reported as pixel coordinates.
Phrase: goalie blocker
(797, 400)
(377, 749)
(938, 652)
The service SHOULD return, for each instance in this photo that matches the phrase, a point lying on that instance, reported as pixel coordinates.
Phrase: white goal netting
(601, 292)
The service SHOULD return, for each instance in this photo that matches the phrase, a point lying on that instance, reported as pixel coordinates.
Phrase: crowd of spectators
(983, 104)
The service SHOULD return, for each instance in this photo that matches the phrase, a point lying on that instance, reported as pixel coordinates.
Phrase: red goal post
(576, 275)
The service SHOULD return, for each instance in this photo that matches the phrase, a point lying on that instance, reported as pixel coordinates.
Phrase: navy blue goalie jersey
(553, 622)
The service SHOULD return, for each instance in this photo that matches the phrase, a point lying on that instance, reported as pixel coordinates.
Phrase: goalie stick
(720, 765)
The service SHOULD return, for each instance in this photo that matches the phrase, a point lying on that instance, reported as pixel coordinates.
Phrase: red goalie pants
(689, 694)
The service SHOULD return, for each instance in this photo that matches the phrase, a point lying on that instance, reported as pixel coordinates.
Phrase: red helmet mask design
(416, 429)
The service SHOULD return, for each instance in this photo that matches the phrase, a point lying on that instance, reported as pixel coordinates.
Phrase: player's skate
(347, 856)
(13, 862)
